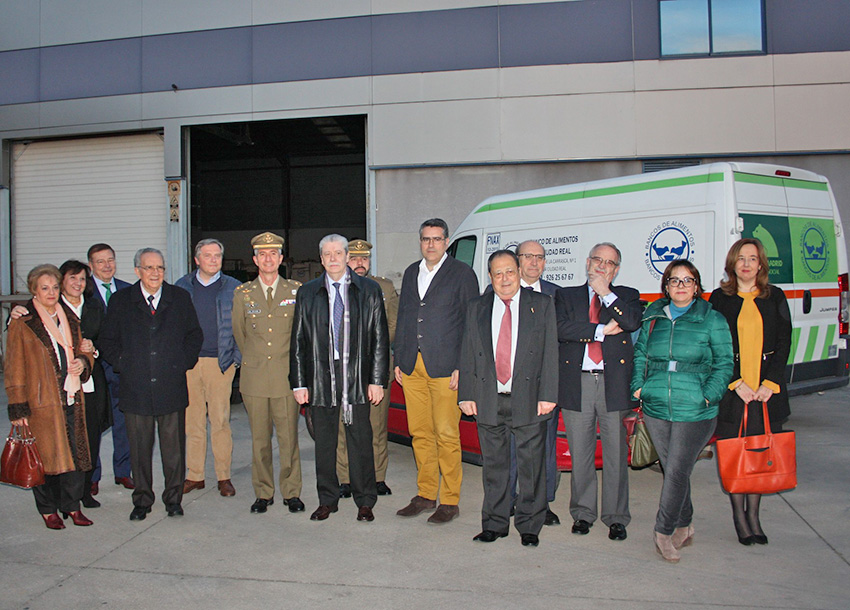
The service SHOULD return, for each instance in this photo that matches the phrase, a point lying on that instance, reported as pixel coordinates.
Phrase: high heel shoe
(747, 540)
(77, 517)
(53, 522)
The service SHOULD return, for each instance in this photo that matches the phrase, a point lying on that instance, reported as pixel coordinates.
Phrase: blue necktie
(339, 310)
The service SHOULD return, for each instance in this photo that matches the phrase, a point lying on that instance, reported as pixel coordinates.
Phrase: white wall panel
(165, 16)
(104, 110)
(811, 68)
(715, 72)
(568, 127)
(435, 86)
(19, 26)
(197, 102)
(312, 94)
(562, 80)
(283, 11)
(704, 122)
(435, 132)
(64, 22)
(813, 118)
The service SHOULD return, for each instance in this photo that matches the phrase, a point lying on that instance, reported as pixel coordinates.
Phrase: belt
(595, 372)
(504, 393)
(674, 366)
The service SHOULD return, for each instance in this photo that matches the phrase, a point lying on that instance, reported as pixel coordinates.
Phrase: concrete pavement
(220, 555)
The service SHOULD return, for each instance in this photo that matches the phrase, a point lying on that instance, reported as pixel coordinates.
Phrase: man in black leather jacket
(339, 360)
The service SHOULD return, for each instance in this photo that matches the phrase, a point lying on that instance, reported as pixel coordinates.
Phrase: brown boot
(683, 536)
(417, 505)
(665, 548)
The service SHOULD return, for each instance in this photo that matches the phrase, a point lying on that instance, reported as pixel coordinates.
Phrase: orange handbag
(20, 464)
(761, 464)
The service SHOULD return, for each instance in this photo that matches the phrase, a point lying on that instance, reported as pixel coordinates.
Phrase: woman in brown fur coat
(44, 370)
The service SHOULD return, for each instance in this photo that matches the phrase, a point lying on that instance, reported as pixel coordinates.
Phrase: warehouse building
(158, 123)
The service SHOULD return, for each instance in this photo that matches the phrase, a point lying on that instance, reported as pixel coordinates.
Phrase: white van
(694, 213)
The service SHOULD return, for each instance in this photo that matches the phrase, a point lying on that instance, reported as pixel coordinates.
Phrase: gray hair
(333, 237)
(208, 242)
(137, 258)
(610, 245)
(257, 251)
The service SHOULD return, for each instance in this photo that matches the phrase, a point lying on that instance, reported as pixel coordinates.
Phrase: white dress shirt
(426, 276)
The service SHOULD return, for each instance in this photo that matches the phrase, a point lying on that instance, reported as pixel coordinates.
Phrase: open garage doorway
(299, 178)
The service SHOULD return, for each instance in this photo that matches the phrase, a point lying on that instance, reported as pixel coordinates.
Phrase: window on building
(711, 27)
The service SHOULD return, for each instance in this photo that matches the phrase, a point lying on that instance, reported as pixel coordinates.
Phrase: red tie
(503, 346)
(594, 349)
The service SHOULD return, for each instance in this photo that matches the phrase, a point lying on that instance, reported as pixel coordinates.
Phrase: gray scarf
(343, 354)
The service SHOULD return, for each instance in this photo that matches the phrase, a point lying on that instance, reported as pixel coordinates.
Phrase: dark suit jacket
(152, 352)
(575, 331)
(433, 325)
(91, 322)
(310, 354)
(535, 373)
(776, 346)
(548, 288)
(119, 285)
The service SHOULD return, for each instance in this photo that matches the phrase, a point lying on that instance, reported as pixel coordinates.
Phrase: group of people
(515, 358)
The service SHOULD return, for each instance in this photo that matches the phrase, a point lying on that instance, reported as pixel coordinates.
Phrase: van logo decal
(814, 248)
(493, 242)
(669, 241)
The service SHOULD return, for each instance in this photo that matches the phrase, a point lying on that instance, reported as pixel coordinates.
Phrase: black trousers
(171, 429)
(531, 473)
(60, 492)
(361, 461)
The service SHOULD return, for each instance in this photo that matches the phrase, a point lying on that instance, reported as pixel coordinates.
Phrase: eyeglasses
(601, 261)
(687, 282)
(432, 240)
(152, 268)
(506, 273)
(537, 257)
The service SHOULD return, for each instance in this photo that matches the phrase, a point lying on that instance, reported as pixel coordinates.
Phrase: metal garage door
(69, 194)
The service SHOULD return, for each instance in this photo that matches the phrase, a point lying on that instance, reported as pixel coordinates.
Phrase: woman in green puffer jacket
(683, 362)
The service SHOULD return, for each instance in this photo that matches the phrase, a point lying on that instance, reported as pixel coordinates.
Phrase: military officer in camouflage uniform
(360, 261)
(262, 323)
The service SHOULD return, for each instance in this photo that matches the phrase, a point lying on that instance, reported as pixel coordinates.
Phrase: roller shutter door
(70, 194)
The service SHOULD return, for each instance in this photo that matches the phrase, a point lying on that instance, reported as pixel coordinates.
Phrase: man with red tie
(508, 381)
(594, 325)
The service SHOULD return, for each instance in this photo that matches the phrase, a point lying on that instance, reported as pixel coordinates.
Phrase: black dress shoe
(364, 513)
(323, 512)
(581, 527)
(139, 513)
(260, 505)
(295, 504)
(174, 510)
(345, 490)
(551, 518)
(489, 536)
(383, 489)
(530, 540)
(90, 502)
(759, 538)
(747, 540)
(617, 531)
